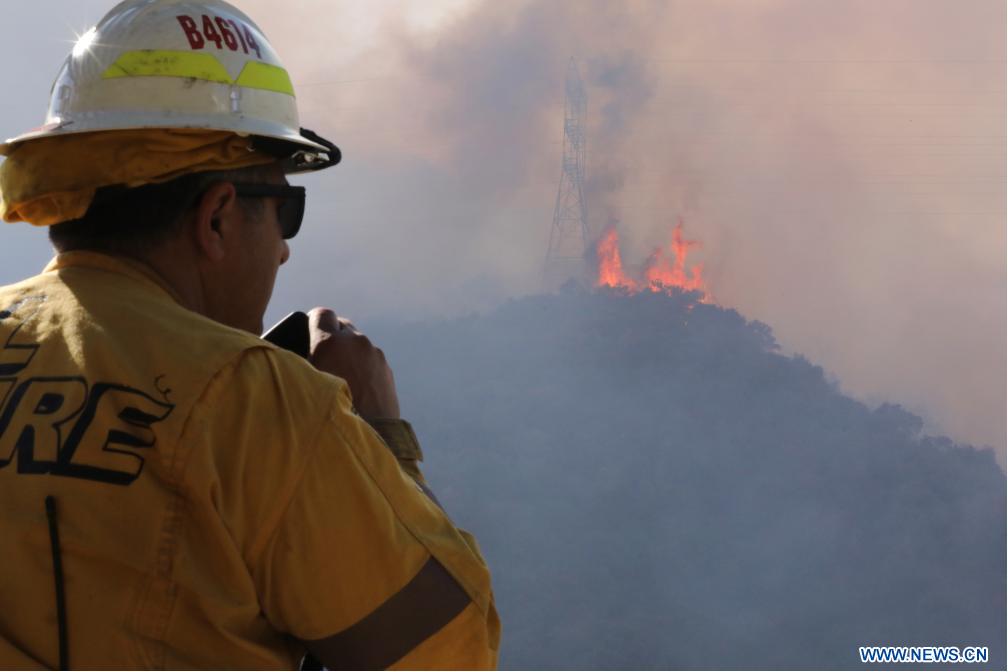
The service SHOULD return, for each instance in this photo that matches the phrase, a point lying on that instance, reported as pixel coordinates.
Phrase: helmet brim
(305, 151)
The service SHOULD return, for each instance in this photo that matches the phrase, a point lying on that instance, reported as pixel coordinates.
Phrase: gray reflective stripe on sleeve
(418, 611)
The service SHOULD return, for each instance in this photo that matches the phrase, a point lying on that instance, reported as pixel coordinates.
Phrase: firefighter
(178, 493)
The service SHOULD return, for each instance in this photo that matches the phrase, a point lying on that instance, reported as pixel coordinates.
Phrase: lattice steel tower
(568, 238)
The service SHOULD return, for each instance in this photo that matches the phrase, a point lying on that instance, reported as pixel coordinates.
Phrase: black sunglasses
(291, 210)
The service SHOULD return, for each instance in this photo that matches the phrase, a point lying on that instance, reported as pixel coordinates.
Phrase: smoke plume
(841, 163)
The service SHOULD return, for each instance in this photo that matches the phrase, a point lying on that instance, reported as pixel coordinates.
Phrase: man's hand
(337, 347)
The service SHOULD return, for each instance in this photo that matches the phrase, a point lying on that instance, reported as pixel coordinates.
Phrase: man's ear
(215, 220)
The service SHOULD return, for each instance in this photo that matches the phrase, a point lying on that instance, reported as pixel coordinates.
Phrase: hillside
(656, 487)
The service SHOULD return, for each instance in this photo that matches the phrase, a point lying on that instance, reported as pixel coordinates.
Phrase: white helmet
(181, 64)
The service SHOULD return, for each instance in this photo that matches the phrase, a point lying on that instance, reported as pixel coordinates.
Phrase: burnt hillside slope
(655, 487)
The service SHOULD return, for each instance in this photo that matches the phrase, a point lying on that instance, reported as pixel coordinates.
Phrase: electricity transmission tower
(568, 237)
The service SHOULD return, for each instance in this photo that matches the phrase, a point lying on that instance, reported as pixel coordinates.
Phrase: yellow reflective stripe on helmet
(189, 65)
(157, 63)
(258, 75)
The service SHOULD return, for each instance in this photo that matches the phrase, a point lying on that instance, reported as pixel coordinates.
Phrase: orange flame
(610, 273)
(661, 272)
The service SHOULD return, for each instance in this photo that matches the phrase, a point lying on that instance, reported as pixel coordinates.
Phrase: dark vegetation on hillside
(655, 487)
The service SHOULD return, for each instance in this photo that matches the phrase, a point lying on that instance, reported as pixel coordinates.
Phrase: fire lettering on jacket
(59, 426)
(64, 426)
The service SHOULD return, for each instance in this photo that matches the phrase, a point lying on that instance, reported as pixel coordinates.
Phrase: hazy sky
(843, 164)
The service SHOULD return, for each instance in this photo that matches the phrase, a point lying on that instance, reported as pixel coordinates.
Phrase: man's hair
(133, 221)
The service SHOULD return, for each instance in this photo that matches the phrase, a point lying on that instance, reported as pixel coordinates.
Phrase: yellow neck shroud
(54, 179)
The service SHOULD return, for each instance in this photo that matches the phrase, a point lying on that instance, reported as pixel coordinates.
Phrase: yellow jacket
(217, 497)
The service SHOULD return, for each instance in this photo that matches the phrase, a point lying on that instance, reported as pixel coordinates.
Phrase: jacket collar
(119, 265)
